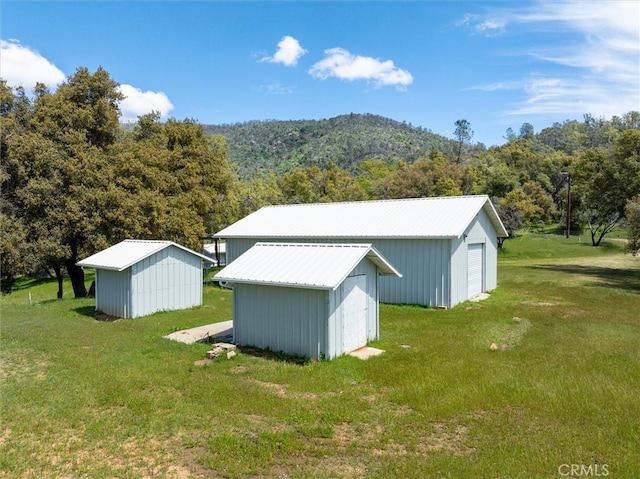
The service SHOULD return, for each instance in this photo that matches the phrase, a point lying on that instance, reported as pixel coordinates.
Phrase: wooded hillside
(346, 140)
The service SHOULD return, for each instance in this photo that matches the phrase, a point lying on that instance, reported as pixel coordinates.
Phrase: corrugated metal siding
(112, 292)
(291, 320)
(481, 230)
(167, 280)
(334, 331)
(238, 246)
(424, 265)
(299, 321)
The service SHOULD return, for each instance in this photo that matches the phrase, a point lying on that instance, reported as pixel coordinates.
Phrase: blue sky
(497, 64)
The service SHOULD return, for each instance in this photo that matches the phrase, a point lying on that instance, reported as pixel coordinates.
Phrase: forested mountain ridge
(346, 140)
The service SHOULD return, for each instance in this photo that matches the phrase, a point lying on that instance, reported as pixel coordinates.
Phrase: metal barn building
(446, 248)
(140, 277)
(311, 300)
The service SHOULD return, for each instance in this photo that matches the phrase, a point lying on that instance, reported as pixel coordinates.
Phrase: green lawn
(83, 398)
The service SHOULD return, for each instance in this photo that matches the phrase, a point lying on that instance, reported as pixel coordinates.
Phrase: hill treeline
(345, 140)
(73, 180)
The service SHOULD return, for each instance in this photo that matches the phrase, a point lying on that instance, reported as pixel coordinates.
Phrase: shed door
(354, 313)
(475, 268)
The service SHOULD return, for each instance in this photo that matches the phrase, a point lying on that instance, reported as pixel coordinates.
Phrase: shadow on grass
(274, 356)
(26, 282)
(89, 311)
(618, 278)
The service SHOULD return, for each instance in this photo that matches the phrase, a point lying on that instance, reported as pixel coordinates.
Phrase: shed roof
(302, 265)
(129, 252)
(441, 217)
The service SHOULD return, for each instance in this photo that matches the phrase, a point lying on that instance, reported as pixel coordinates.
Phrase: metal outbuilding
(446, 247)
(311, 300)
(140, 277)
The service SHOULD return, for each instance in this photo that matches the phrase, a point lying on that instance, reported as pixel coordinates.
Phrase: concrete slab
(223, 329)
(366, 352)
(479, 297)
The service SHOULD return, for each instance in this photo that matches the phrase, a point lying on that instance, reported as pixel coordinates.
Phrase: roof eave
(100, 266)
(262, 237)
(274, 283)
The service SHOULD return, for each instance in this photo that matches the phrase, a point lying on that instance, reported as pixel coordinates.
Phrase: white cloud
(339, 63)
(23, 66)
(288, 53)
(598, 54)
(138, 103)
(277, 88)
(490, 27)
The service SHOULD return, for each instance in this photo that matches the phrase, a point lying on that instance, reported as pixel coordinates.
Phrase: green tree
(500, 180)
(56, 154)
(526, 131)
(243, 198)
(511, 218)
(371, 173)
(14, 249)
(174, 180)
(606, 181)
(463, 134)
(78, 183)
(313, 185)
(632, 217)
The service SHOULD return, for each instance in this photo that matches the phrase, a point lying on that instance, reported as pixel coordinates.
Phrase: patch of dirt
(372, 398)
(239, 369)
(281, 390)
(446, 437)
(442, 436)
(4, 436)
(106, 317)
(65, 453)
(264, 423)
(339, 467)
(203, 362)
(391, 449)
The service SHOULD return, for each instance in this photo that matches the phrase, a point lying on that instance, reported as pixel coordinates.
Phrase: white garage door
(354, 313)
(475, 267)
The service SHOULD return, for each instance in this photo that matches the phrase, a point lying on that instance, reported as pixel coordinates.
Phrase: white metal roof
(128, 252)
(442, 217)
(308, 265)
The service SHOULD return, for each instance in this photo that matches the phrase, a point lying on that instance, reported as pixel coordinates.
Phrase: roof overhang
(297, 270)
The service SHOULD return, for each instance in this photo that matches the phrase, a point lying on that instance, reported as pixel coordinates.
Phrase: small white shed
(140, 277)
(311, 300)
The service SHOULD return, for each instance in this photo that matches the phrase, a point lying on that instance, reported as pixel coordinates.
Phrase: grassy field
(82, 398)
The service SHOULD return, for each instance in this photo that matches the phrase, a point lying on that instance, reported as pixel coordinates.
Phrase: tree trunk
(76, 275)
(58, 272)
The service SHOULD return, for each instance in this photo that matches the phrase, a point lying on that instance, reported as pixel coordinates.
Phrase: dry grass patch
(22, 364)
(68, 454)
(506, 334)
(282, 391)
(446, 437)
